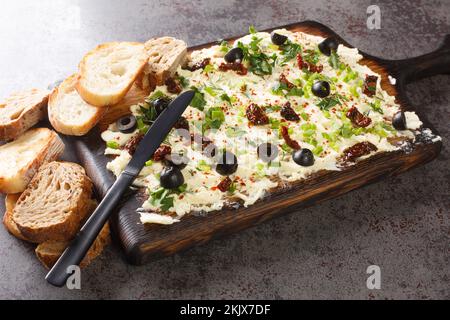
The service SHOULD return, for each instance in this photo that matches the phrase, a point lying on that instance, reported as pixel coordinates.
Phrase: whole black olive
(176, 160)
(234, 55)
(126, 124)
(160, 104)
(321, 89)
(399, 121)
(277, 38)
(171, 178)
(303, 157)
(328, 45)
(267, 152)
(226, 164)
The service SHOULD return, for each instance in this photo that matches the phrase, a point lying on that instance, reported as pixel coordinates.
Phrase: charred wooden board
(141, 243)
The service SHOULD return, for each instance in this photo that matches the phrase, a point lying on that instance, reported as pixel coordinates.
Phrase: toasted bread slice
(21, 111)
(109, 71)
(165, 55)
(21, 158)
(134, 96)
(69, 113)
(54, 204)
(10, 203)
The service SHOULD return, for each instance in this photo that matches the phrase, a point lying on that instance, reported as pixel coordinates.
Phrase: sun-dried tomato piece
(208, 147)
(302, 64)
(370, 85)
(288, 113)
(161, 152)
(285, 81)
(357, 118)
(235, 66)
(225, 184)
(173, 86)
(256, 115)
(132, 144)
(315, 68)
(291, 143)
(199, 65)
(358, 150)
(182, 123)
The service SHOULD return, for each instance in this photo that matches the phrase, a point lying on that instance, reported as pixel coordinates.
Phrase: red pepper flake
(288, 113)
(370, 85)
(199, 65)
(358, 150)
(285, 81)
(357, 118)
(256, 115)
(225, 184)
(291, 143)
(235, 66)
(173, 86)
(161, 152)
(132, 144)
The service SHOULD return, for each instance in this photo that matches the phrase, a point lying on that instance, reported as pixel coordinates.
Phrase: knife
(77, 249)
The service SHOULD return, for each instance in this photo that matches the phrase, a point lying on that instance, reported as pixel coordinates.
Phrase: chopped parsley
(331, 101)
(334, 61)
(289, 51)
(214, 117)
(198, 101)
(260, 63)
(376, 106)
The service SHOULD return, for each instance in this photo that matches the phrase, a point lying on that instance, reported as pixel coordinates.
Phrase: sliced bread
(10, 203)
(21, 158)
(48, 252)
(21, 111)
(108, 72)
(69, 113)
(54, 204)
(165, 55)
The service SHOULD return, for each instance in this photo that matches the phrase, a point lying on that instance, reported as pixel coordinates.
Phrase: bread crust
(27, 115)
(55, 105)
(165, 55)
(103, 100)
(68, 219)
(49, 252)
(51, 149)
(10, 225)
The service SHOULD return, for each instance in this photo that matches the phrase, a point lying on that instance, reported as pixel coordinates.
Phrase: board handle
(427, 65)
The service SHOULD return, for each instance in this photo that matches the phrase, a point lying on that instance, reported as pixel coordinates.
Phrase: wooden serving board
(142, 243)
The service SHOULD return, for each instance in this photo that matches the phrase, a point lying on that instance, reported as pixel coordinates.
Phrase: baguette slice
(165, 55)
(10, 203)
(109, 71)
(54, 204)
(21, 158)
(69, 113)
(21, 111)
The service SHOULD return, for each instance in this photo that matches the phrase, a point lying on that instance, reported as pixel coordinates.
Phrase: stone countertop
(400, 224)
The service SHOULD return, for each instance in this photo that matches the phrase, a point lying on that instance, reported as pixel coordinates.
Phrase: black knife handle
(78, 248)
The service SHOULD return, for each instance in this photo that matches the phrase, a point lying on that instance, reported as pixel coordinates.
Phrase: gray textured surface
(401, 224)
